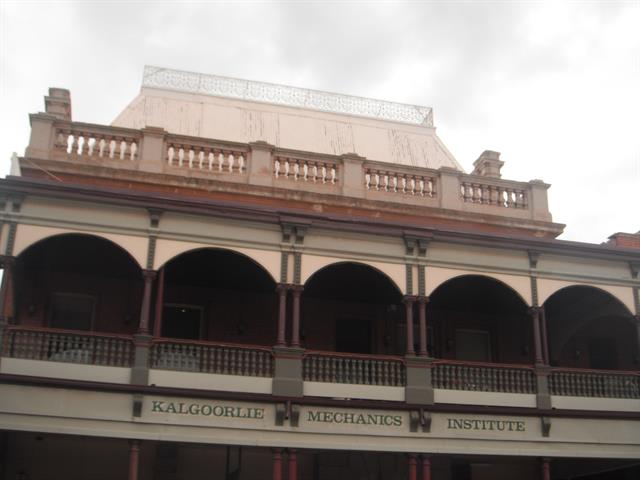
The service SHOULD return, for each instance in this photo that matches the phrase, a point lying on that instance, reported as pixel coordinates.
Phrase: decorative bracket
(420, 420)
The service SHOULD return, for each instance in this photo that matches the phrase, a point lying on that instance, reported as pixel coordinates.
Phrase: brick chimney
(488, 164)
(625, 240)
(58, 103)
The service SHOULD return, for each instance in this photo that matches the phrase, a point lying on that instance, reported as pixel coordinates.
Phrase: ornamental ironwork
(165, 78)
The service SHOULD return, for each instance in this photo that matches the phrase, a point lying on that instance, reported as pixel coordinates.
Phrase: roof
(287, 117)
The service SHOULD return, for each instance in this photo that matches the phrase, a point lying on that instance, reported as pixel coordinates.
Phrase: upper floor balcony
(216, 320)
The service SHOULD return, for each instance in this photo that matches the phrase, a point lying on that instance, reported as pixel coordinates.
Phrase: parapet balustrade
(396, 181)
(594, 383)
(68, 346)
(198, 155)
(497, 193)
(209, 357)
(331, 367)
(479, 377)
(94, 141)
(157, 151)
(304, 170)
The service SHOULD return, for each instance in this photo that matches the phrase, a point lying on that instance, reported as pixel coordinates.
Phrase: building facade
(239, 280)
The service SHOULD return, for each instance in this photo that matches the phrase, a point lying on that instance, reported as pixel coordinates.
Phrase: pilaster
(287, 380)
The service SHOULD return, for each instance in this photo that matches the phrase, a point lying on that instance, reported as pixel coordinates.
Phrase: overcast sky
(554, 86)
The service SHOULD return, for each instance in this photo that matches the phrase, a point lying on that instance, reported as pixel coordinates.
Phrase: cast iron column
(543, 333)
(277, 464)
(534, 313)
(426, 467)
(413, 467)
(293, 464)
(422, 316)
(7, 312)
(281, 289)
(148, 276)
(157, 324)
(546, 469)
(408, 303)
(295, 324)
(134, 457)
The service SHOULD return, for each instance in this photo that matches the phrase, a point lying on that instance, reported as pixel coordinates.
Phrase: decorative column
(277, 464)
(7, 307)
(546, 469)
(413, 467)
(281, 289)
(157, 324)
(149, 276)
(543, 333)
(295, 324)
(134, 457)
(422, 318)
(426, 467)
(408, 304)
(637, 319)
(293, 464)
(534, 313)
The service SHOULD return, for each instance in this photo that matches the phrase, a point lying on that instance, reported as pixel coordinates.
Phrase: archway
(589, 328)
(478, 318)
(215, 294)
(78, 282)
(352, 307)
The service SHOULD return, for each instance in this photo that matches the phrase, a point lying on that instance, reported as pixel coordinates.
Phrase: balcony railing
(68, 346)
(594, 383)
(333, 367)
(156, 151)
(479, 377)
(208, 357)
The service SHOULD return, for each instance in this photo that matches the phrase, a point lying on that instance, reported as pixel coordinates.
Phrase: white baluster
(276, 167)
(170, 155)
(211, 159)
(240, 163)
(112, 148)
(123, 149)
(231, 161)
(180, 156)
(133, 149)
(190, 155)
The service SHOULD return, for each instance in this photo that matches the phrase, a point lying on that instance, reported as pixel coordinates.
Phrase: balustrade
(78, 140)
(588, 383)
(398, 182)
(493, 194)
(354, 369)
(68, 346)
(205, 357)
(311, 171)
(205, 157)
(483, 377)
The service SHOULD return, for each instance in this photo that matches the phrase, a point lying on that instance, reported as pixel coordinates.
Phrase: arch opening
(78, 282)
(478, 318)
(352, 308)
(589, 328)
(216, 294)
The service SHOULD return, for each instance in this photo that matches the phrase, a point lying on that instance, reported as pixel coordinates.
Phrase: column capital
(296, 288)
(149, 275)
(636, 319)
(422, 299)
(282, 287)
(7, 261)
(534, 310)
(409, 299)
